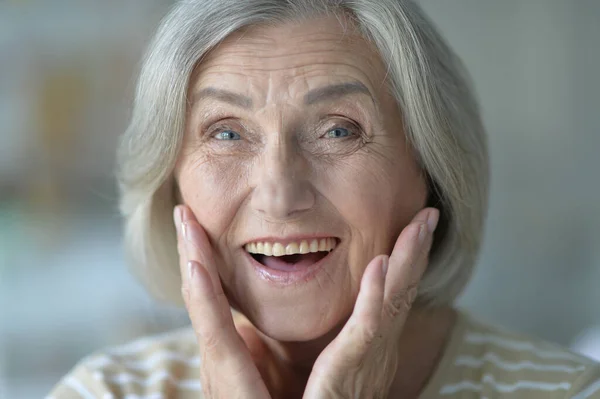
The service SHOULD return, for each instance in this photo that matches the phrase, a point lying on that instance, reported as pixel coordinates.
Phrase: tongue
(292, 262)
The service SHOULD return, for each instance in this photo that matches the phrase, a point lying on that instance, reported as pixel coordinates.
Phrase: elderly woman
(323, 161)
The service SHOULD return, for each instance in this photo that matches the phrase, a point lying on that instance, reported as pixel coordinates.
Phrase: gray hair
(427, 79)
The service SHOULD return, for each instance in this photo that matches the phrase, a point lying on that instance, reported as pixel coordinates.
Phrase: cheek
(211, 187)
(370, 192)
(376, 198)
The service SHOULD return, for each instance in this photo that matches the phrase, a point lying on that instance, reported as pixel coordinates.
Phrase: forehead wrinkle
(299, 70)
(238, 60)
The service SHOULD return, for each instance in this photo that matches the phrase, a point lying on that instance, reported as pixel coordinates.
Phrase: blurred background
(67, 71)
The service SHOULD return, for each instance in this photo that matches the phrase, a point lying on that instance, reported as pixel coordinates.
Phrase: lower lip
(284, 278)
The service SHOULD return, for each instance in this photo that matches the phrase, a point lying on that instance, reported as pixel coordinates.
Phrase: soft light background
(67, 70)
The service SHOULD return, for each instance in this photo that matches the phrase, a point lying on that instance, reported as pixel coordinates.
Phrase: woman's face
(291, 136)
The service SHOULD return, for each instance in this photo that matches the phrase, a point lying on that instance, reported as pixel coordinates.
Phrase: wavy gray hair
(428, 80)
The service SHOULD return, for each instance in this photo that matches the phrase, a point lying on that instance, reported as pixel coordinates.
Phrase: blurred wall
(535, 64)
(67, 70)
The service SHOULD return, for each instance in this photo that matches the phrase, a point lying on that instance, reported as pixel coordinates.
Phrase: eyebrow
(314, 96)
(336, 91)
(225, 96)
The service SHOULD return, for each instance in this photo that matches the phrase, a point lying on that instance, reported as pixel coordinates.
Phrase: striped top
(479, 361)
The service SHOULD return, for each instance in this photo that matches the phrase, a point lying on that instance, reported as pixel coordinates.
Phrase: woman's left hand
(361, 361)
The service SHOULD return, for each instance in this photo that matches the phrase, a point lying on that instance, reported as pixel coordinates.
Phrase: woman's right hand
(228, 369)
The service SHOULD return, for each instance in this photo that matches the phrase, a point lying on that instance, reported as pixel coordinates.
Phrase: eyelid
(349, 124)
(344, 119)
(213, 127)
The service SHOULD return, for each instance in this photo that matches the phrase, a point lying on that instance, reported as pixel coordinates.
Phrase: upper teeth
(302, 247)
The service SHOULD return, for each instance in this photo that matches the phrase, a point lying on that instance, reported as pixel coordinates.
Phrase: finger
(226, 360)
(183, 259)
(197, 246)
(204, 300)
(224, 352)
(408, 261)
(212, 328)
(177, 219)
(347, 351)
(364, 325)
(190, 238)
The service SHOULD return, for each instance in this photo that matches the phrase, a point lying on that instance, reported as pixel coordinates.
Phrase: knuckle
(369, 334)
(393, 308)
(424, 252)
(402, 301)
(363, 332)
(210, 343)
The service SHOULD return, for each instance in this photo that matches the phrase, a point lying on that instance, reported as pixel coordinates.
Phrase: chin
(297, 323)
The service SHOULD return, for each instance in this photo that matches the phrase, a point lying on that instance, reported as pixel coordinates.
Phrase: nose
(282, 187)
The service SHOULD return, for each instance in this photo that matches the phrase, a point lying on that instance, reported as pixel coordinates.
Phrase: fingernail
(177, 217)
(432, 220)
(384, 265)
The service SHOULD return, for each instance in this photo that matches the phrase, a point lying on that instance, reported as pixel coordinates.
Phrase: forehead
(292, 58)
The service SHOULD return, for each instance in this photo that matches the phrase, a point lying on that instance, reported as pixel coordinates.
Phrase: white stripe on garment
(589, 391)
(493, 358)
(521, 346)
(145, 364)
(78, 387)
(158, 357)
(460, 386)
(143, 344)
(125, 378)
(156, 395)
(466, 385)
(100, 362)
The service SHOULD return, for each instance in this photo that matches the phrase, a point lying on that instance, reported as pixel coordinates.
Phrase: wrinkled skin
(275, 157)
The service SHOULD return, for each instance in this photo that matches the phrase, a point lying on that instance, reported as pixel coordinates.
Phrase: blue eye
(338, 132)
(227, 135)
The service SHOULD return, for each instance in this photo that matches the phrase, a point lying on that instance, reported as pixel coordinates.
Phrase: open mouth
(289, 262)
(292, 257)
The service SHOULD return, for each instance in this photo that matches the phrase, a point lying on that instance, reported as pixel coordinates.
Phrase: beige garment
(479, 362)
